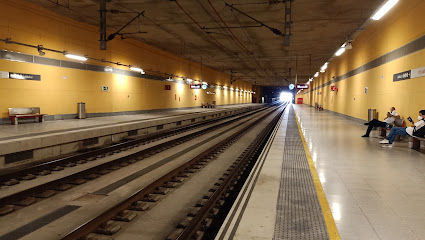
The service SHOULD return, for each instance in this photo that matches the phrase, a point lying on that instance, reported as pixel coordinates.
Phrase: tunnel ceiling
(196, 30)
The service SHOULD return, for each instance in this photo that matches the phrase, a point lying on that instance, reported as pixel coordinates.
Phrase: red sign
(334, 88)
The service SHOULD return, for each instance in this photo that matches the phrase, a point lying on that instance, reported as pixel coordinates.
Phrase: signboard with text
(302, 86)
(415, 73)
(195, 86)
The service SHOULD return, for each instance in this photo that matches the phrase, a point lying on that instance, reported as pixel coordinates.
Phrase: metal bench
(33, 112)
(398, 123)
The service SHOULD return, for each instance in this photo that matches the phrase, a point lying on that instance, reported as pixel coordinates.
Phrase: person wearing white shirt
(404, 131)
(387, 123)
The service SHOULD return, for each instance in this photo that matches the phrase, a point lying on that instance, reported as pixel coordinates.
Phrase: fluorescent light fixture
(205, 83)
(324, 67)
(232, 89)
(76, 57)
(316, 75)
(384, 9)
(108, 69)
(340, 51)
(189, 80)
(136, 69)
(224, 87)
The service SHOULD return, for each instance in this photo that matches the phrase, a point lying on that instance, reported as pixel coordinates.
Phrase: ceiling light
(324, 67)
(340, 51)
(384, 9)
(108, 69)
(205, 83)
(316, 75)
(136, 69)
(232, 89)
(76, 57)
(189, 80)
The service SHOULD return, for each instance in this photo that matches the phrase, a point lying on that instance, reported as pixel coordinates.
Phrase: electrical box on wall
(104, 88)
(167, 87)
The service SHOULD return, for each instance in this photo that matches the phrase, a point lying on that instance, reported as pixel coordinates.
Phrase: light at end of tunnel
(286, 97)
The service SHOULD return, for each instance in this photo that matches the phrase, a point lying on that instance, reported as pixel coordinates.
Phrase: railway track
(195, 225)
(37, 193)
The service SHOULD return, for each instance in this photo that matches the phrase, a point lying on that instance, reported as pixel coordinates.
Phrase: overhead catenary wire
(178, 37)
(237, 40)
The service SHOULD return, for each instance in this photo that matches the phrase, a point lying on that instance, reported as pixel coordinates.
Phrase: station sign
(204, 86)
(415, 73)
(24, 76)
(302, 86)
(195, 86)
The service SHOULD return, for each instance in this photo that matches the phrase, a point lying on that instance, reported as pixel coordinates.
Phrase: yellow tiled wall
(400, 26)
(61, 89)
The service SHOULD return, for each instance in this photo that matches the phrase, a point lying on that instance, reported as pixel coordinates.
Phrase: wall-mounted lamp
(40, 49)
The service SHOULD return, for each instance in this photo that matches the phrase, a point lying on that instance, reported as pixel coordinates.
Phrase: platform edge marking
(327, 213)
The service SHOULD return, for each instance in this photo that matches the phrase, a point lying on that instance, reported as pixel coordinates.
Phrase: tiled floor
(374, 193)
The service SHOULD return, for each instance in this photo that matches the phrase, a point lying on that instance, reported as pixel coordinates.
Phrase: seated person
(404, 131)
(387, 123)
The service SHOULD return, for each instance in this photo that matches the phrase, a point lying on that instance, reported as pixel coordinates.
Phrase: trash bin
(81, 110)
(371, 114)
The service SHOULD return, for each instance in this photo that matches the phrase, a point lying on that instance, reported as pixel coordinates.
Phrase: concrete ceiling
(254, 54)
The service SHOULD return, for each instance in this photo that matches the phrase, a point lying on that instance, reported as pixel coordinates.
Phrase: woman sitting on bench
(404, 131)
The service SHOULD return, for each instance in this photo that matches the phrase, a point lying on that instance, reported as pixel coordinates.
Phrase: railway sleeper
(62, 187)
(11, 182)
(108, 228)
(28, 177)
(140, 206)
(94, 236)
(193, 211)
(91, 176)
(170, 185)
(58, 168)
(206, 223)
(151, 198)
(199, 235)
(6, 209)
(78, 181)
(125, 216)
(26, 201)
(175, 234)
(46, 194)
(162, 190)
(44, 172)
(185, 222)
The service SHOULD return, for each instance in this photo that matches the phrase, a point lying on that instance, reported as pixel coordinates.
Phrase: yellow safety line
(327, 213)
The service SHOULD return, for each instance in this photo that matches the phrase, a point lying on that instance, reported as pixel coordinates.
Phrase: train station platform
(317, 178)
(28, 142)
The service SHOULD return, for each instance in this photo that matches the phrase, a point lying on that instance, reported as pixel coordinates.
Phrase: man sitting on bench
(387, 123)
(402, 131)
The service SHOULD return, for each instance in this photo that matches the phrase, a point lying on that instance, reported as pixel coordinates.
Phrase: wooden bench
(398, 123)
(417, 143)
(34, 112)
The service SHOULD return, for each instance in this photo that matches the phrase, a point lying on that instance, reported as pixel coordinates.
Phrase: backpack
(420, 132)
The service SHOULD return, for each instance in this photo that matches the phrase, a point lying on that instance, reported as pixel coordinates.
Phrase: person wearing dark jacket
(387, 123)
